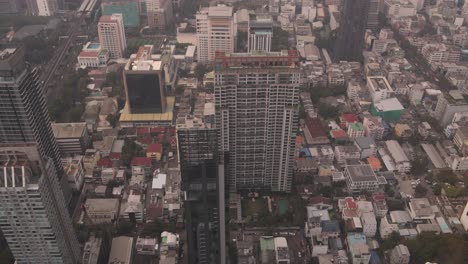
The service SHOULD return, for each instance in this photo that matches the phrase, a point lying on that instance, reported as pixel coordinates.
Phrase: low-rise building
(373, 127)
(95, 251)
(400, 255)
(343, 153)
(101, 211)
(380, 205)
(361, 177)
(464, 217)
(72, 138)
(107, 175)
(369, 224)
(93, 56)
(281, 251)
(146, 246)
(401, 161)
(358, 248)
(121, 250)
(366, 146)
(394, 222)
(154, 151)
(73, 167)
(379, 88)
(420, 210)
(355, 130)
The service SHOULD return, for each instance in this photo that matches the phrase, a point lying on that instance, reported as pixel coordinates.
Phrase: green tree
(152, 229)
(130, 150)
(437, 189)
(112, 120)
(280, 39)
(393, 240)
(328, 111)
(420, 191)
(200, 71)
(179, 89)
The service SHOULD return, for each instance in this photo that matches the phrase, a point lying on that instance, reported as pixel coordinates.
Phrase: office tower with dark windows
(144, 83)
(34, 218)
(203, 183)
(257, 103)
(350, 39)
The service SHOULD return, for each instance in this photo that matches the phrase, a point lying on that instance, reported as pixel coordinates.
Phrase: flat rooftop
(150, 117)
(220, 11)
(378, 83)
(68, 130)
(363, 172)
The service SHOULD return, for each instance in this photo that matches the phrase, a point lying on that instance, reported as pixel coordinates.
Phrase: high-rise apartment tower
(34, 218)
(215, 32)
(257, 102)
(111, 33)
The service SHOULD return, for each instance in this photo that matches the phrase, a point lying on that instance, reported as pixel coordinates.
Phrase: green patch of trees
(280, 40)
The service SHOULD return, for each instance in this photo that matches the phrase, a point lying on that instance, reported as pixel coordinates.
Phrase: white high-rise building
(46, 7)
(215, 32)
(260, 34)
(111, 33)
(257, 99)
(33, 189)
(159, 13)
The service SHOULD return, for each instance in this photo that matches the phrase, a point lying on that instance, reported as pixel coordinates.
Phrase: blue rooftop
(93, 46)
(356, 238)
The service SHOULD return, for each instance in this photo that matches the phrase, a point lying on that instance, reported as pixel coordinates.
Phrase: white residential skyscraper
(111, 33)
(215, 32)
(33, 213)
(257, 102)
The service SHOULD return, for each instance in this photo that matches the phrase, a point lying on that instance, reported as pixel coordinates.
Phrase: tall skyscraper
(34, 216)
(202, 172)
(159, 13)
(257, 101)
(144, 83)
(8, 7)
(111, 33)
(260, 33)
(215, 32)
(42, 7)
(373, 15)
(350, 39)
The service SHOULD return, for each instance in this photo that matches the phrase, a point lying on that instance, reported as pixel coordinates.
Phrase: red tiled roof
(89, 54)
(141, 161)
(155, 147)
(115, 155)
(338, 133)
(157, 130)
(106, 163)
(143, 131)
(145, 140)
(350, 204)
(378, 196)
(350, 118)
(315, 127)
(161, 137)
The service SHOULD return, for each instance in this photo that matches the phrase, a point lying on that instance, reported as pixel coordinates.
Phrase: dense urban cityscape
(233, 131)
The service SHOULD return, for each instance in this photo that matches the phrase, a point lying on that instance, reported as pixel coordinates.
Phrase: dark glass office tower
(353, 24)
(202, 172)
(34, 217)
(144, 83)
